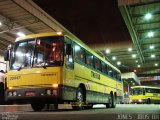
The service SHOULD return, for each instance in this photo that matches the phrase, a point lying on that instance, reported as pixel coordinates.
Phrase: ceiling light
(153, 56)
(21, 34)
(118, 63)
(133, 55)
(0, 23)
(151, 47)
(136, 61)
(138, 66)
(129, 49)
(135, 70)
(148, 16)
(150, 34)
(108, 51)
(156, 64)
(114, 58)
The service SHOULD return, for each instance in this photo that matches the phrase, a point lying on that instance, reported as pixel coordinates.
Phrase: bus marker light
(59, 33)
(10, 88)
(55, 85)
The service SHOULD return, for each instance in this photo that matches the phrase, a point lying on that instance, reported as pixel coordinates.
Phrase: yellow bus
(52, 68)
(145, 94)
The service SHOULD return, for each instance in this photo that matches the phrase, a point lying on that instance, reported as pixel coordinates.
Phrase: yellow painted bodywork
(103, 85)
(34, 77)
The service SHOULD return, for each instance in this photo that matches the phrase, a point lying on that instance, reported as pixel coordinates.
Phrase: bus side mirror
(68, 49)
(6, 55)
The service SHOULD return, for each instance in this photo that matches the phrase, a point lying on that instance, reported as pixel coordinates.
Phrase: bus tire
(56, 106)
(37, 106)
(79, 104)
(109, 104)
(148, 101)
(113, 101)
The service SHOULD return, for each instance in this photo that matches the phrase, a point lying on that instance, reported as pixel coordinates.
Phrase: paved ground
(121, 112)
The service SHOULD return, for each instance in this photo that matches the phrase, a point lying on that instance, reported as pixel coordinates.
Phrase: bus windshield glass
(38, 52)
(137, 91)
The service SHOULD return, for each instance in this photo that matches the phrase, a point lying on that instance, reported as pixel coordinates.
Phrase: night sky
(93, 21)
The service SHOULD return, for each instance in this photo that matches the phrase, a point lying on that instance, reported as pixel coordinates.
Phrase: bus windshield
(38, 52)
(137, 91)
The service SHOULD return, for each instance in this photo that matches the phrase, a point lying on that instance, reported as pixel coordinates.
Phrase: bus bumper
(139, 101)
(48, 95)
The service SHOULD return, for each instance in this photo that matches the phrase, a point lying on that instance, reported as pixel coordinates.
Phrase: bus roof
(145, 87)
(76, 40)
(39, 35)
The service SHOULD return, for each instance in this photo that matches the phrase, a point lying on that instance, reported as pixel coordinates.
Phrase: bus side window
(104, 68)
(79, 53)
(119, 76)
(89, 59)
(97, 64)
(110, 71)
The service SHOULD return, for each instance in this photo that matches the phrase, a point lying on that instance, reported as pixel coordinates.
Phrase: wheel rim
(79, 99)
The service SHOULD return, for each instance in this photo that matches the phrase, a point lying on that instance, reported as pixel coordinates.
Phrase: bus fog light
(48, 92)
(54, 92)
(10, 94)
(14, 93)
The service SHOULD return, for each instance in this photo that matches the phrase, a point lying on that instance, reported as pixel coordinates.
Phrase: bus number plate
(30, 93)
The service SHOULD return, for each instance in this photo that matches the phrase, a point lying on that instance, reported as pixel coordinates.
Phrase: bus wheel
(56, 106)
(109, 104)
(37, 106)
(148, 101)
(78, 105)
(114, 101)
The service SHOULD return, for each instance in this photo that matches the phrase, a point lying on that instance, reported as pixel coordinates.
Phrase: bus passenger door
(69, 82)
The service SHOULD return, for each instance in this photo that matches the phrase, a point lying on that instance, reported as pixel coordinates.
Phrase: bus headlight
(10, 94)
(140, 100)
(48, 92)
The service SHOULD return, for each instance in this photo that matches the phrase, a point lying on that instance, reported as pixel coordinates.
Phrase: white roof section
(130, 77)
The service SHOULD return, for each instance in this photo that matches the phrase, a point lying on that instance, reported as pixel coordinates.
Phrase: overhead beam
(148, 23)
(142, 14)
(135, 2)
(49, 21)
(127, 18)
(148, 30)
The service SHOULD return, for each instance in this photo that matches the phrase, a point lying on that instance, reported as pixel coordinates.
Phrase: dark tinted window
(79, 53)
(97, 64)
(89, 59)
(104, 68)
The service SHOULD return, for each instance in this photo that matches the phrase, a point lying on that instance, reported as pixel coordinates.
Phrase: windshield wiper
(44, 65)
(20, 67)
